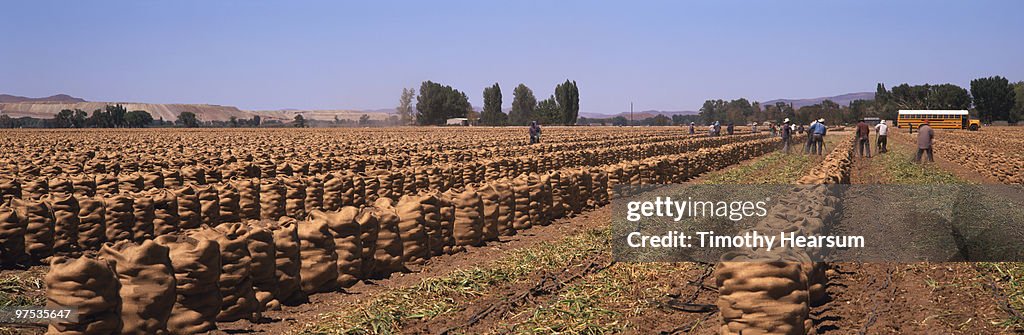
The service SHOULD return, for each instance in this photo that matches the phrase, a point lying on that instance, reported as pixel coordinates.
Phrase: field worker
(693, 130)
(753, 128)
(817, 132)
(863, 139)
(809, 146)
(534, 132)
(787, 133)
(925, 134)
(711, 129)
(775, 132)
(730, 128)
(882, 143)
(718, 128)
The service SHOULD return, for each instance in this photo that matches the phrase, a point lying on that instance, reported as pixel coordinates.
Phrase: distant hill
(843, 99)
(324, 114)
(640, 115)
(169, 112)
(5, 98)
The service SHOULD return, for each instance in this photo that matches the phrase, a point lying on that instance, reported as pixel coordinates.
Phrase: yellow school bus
(938, 119)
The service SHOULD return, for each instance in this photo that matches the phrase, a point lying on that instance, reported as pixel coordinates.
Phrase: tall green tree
(299, 121)
(117, 114)
(137, 119)
(405, 112)
(548, 111)
(100, 119)
(436, 103)
(523, 103)
(492, 114)
(1018, 108)
(993, 98)
(568, 97)
(188, 119)
(64, 119)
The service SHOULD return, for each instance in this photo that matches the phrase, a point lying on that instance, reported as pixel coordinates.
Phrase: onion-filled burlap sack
(106, 184)
(172, 179)
(506, 207)
(39, 224)
(120, 216)
(314, 193)
(165, 212)
(762, 297)
(12, 236)
(295, 197)
(147, 285)
(412, 229)
(335, 186)
(570, 192)
(209, 204)
(189, 208)
(288, 262)
(151, 180)
(489, 197)
(545, 199)
(65, 224)
(248, 198)
(319, 258)
(356, 196)
(144, 210)
(196, 264)
(9, 188)
(228, 202)
(521, 216)
(195, 175)
(599, 180)
(90, 285)
(345, 231)
(432, 222)
(368, 230)
(264, 258)
(388, 255)
(60, 185)
(537, 197)
(387, 185)
(92, 227)
(446, 226)
(85, 185)
(238, 299)
(35, 188)
(469, 222)
(272, 199)
(557, 208)
(130, 182)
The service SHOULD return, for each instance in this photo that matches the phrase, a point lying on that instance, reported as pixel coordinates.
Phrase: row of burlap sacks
(771, 292)
(335, 250)
(179, 172)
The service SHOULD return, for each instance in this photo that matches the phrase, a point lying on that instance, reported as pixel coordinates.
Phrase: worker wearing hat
(818, 131)
(787, 134)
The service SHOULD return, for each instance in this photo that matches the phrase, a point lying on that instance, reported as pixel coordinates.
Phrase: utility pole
(630, 113)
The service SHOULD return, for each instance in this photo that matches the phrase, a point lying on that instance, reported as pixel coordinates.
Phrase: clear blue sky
(668, 55)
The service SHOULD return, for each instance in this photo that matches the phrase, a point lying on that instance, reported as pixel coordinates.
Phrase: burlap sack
(60, 185)
(521, 214)
(165, 212)
(85, 185)
(106, 184)
(388, 255)
(65, 224)
(335, 186)
(537, 198)
(209, 204)
(38, 220)
(489, 197)
(189, 208)
(371, 185)
(12, 237)
(295, 197)
(261, 246)
(506, 207)
(467, 229)
(432, 222)
(345, 231)
(130, 182)
(10, 188)
(411, 227)
(238, 299)
(319, 258)
(762, 297)
(172, 179)
(144, 210)
(356, 196)
(196, 264)
(90, 285)
(228, 202)
(92, 227)
(368, 230)
(314, 193)
(288, 264)
(152, 180)
(387, 185)
(272, 199)
(545, 199)
(35, 188)
(558, 208)
(195, 175)
(248, 198)
(147, 284)
(119, 217)
(446, 226)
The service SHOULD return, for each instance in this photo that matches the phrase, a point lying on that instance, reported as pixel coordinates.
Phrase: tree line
(436, 103)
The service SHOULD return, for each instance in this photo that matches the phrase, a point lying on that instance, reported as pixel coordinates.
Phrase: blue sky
(668, 55)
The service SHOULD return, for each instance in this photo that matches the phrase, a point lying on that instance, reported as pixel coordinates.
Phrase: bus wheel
(973, 127)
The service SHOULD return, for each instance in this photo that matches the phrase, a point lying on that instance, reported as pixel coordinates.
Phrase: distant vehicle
(458, 121)
(938, 119)
(872, 121)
